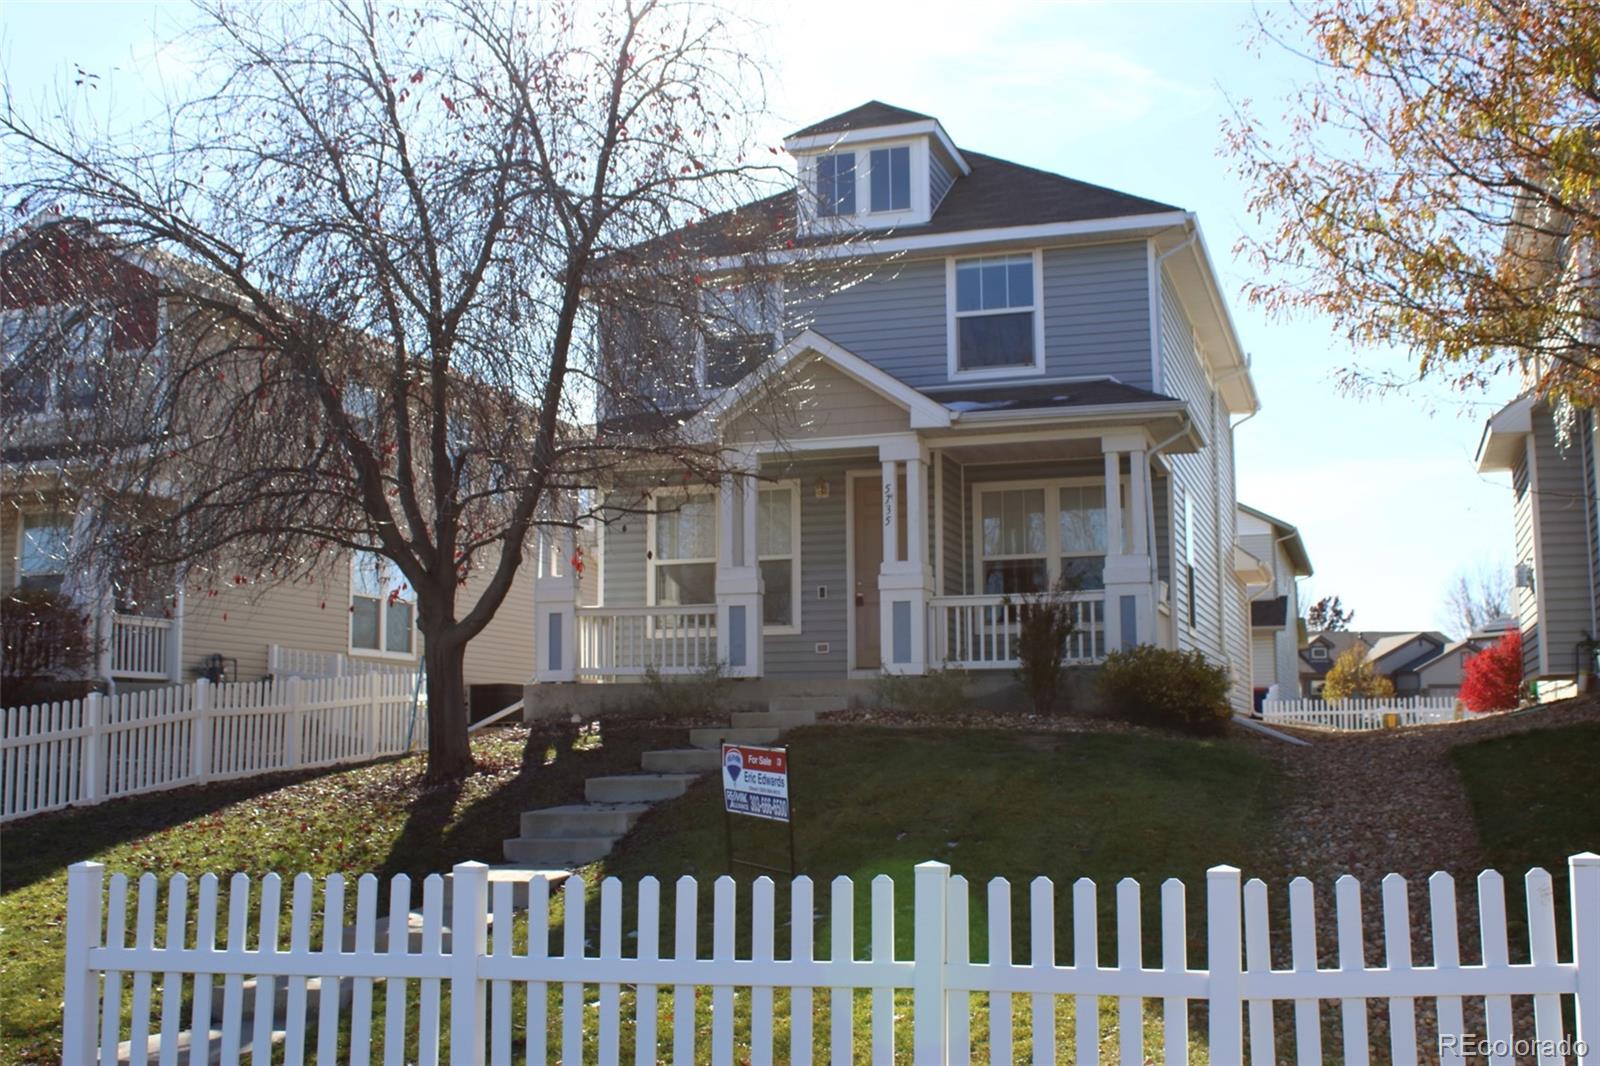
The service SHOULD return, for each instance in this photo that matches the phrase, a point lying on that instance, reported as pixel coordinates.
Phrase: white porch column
(1129, 609)
(555, 606)
(739, 641)
(904, 585)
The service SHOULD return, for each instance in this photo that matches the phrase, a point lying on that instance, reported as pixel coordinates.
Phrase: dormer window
(836, 184)
(995, 325)
(891, 179)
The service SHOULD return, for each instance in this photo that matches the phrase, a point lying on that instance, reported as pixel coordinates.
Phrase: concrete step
(681, 761)
(814, 704)
(714, 736)
(637, 788)
(558, 851)
(518, 877)
(582, 820)
(773, 719)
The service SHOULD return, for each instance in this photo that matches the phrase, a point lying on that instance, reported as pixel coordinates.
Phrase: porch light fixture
(823, 488)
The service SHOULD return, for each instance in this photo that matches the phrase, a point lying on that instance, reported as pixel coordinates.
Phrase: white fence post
(375, 685)
(1225, 1008)
(294, 720)
(81, 999)
(1584, 885)
(200, 738)
(469, 939)
(929, 1038)
(93, 766)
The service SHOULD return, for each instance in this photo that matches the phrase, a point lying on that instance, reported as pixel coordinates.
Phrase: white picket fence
(1360, 714)
(481, 983)
(85, 751)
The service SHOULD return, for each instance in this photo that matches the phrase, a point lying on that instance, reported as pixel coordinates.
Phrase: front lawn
(371, 818)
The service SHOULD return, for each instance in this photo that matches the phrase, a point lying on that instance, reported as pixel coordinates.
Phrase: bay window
(1032, 536)
(995, 326)
(383, 607)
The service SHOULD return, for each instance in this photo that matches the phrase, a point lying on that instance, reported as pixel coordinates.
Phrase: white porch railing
(626, 641)
(981, 632)
(140, 647)
(300, 662)
(1359, 714)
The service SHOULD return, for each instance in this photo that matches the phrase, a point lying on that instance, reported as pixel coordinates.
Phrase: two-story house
(1278, 552)
(356, 615)
(1033, 381)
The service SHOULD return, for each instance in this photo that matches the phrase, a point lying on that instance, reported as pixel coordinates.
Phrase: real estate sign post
(755, 784)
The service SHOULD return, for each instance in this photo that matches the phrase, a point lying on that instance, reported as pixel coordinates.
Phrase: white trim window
(383, 608)
(836, 184)
(42, 540)
(50, 358)
(996, 328)
(778, 554)
(1190, 593)
(889, 179)
(682, 531)
(1030, 535)
(743, 325)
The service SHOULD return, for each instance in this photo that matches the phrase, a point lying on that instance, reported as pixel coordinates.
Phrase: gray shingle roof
(872, 113)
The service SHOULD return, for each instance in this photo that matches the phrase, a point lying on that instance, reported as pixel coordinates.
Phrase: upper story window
(891, 179)
(836, 184)
(42, 553)
(1319, 652)
(995, 324)
(743, 325)
(383, 607)
(50, 358)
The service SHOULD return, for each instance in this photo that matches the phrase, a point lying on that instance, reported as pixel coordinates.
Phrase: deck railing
(981, 632)
(627, 641)
(141, 648)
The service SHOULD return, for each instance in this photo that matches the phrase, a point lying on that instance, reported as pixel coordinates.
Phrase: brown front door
(868, 537)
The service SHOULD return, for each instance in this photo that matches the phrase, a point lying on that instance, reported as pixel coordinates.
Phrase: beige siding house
(1280, 553)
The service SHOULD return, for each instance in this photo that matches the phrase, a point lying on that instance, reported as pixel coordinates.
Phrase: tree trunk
(449, 751)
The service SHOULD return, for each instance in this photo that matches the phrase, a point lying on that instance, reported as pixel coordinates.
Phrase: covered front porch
(913, 544)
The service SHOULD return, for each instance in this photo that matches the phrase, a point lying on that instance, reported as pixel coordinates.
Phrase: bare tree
(1328, 615)
(1476, 596)
(384, 249)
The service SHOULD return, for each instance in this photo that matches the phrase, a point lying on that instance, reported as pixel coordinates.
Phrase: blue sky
(1129, 95)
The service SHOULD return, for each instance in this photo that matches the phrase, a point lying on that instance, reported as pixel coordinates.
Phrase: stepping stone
(682, 761)
(581, 820)
(814, 704)
(772, 719)
(637, 788)
(715, 736)
(558, 851)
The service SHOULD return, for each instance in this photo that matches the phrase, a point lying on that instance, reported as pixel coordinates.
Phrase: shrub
(1047, 621)
(1492, 679)
(1352, 677)
(936, 692)
(46, 637)
(1158, 686)
(678, 696)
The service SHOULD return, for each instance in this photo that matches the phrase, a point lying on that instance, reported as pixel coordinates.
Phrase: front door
(867, 534)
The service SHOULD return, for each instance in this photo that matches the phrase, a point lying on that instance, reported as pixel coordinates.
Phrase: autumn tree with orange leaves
(1437, 185)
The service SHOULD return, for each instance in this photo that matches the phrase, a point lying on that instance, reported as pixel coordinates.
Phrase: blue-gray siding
(1096, 320)
(939, 180)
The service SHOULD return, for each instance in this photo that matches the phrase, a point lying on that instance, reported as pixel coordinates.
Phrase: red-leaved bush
(1492, 679)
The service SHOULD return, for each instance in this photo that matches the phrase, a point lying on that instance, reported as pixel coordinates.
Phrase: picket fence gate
(464, 988)
(85, 751)
(1360, 714)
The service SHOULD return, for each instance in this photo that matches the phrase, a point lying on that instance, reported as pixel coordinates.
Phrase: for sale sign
(755, 781)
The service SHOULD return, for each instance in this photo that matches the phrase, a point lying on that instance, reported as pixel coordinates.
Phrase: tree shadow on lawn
(44, 845)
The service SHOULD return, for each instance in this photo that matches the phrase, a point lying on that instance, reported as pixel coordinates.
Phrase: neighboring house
(356, 615)
(1274, 602)
(1035, 380)
(1551, 454)
(1421, 663)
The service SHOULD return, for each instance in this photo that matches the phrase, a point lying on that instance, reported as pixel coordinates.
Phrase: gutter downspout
(1150, 506)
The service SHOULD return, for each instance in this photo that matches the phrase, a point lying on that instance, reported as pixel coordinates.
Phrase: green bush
(1176, 689)
(1047, 622)
(681, 696)
(936, 692)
